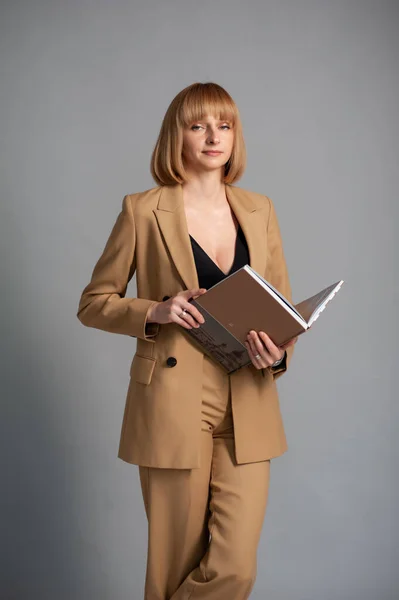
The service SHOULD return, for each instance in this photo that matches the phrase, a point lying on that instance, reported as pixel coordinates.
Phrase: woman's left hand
(260, 345)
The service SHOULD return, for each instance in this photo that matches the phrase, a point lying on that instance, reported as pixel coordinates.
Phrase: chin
(214, 163)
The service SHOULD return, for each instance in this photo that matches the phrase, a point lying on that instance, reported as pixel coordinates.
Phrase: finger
(180, 320)
(260, 343)
(192, 309)
(187, 317)
(257, 363)
(195, 313)
(201, 292)
(268, 342)
(273, 350)
(199, 317)
(264, 345)
(251, 344)
(258, 348)
(191, 315)
(187, 294)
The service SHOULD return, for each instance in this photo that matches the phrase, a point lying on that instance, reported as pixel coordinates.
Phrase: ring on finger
(183, 312)
(257, 356)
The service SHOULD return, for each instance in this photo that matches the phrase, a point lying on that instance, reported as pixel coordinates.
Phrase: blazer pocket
(142, 368)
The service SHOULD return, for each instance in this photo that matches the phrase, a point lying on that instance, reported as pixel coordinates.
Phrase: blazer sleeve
(277, 274)
(103, 304)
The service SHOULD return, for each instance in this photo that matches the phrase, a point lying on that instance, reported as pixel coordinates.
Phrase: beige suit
(202, 438)
(162, 418)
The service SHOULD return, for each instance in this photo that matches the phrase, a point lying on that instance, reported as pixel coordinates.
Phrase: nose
(213, 137)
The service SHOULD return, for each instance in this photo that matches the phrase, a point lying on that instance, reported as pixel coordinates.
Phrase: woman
(203, 440)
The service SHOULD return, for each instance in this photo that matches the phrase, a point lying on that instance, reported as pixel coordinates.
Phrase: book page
(313, 306)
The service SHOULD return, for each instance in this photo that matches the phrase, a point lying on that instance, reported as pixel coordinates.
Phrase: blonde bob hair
(192, 104)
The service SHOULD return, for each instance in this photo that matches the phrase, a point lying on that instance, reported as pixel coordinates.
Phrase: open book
(243, 301)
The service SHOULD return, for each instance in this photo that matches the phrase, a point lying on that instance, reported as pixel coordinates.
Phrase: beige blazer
(162, 418)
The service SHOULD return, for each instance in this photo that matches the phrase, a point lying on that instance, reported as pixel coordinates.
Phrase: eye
(195, 127)
(225, 126)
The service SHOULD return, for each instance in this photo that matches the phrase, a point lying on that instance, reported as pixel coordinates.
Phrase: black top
(208, 272)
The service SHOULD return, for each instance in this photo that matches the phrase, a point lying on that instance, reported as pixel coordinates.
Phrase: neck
(205, 188)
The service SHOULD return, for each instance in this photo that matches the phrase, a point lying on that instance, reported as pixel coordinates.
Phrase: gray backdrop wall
(84, 86)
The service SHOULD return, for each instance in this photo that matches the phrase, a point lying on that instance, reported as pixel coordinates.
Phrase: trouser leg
(238, 501)
(176, 503)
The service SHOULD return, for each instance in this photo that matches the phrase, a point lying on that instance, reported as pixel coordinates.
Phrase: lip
(213, 152)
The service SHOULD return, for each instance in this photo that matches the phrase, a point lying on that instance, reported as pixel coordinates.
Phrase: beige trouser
(204, 524)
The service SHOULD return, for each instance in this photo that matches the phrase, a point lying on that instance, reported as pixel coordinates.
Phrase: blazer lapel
(249, 214)
(172, 222)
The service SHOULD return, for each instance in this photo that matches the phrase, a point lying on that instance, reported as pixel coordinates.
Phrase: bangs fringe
(206, 99)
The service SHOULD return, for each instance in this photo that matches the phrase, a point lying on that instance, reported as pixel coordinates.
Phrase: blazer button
(171, 361)
(165, 298)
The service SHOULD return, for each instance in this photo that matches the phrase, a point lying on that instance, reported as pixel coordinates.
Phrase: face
(207, 144)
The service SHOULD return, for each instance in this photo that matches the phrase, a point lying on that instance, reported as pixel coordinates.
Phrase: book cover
(243, 301)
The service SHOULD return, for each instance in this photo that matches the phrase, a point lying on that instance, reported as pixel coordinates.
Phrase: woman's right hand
(170, 310)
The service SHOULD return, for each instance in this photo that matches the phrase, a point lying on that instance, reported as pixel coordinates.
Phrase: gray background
(84, 86)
